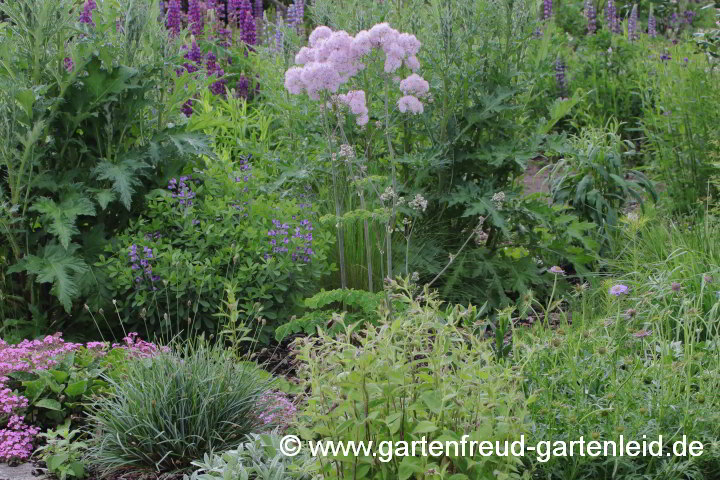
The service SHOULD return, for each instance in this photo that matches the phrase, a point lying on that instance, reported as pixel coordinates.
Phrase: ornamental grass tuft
(173, 408)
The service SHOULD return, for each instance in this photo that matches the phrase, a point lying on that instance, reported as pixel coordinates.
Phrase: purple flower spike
(174, 13)
(591, 16)
(196, 17)
(258, 11)
(296, 15)
(632, 24)
(560, 76)
(248, 32)
(68, 63)
(611, 17)
(652, 26)
(547, 9)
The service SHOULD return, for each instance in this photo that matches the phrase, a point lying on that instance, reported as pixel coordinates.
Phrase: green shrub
(229, 235)
(419, 374)
(63, 452)
(173, 408)
(86, 129)
(593, 178)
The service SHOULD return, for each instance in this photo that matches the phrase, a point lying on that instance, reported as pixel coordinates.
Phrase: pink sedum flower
(411, 104)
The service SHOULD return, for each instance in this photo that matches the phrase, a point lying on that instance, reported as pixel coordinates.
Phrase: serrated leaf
(124, 176)
(58, 266)
(62, 216)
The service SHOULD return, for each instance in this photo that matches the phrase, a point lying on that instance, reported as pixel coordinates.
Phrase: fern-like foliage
(60, 217)
(56, 265)
(360, 304)
(124, 176)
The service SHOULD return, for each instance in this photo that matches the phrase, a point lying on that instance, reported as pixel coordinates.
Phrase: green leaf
(433, 401)
(55, 461)
(59, 376)
(76, 388)
(101, 84)
(50, 404)
(62, 216)
(124, 176)
(58, 266)
(425, 426)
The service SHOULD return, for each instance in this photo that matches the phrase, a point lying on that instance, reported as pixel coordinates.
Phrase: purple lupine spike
(68, 63)
(652, 25)
(591, 16)
(86, 15)
(560, 75)
(174, 13)
(196, 17)
(547, 9)
(611, 17)
(632, 24)
(674, 20)
(194, 54)
(237, 10)
(248, 32)
(242, 87)
(689, 16)
(258, 10)
(296, 15)
(279, 36)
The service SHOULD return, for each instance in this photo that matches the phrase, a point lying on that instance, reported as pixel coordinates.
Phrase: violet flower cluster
(332, 58)
(182, 190)
(560, 78)
(196, 17)
(280, 240)
(141, 266)
(86, 15)
(248, 32)
(237, 9)
(296, 15)
(547, 9)
(611, 18)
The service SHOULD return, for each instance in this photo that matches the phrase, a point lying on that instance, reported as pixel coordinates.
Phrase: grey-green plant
(593, 176)
(175, 407)
(259, 458)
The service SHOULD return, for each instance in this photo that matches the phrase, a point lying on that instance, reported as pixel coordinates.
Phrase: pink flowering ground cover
(32, 356)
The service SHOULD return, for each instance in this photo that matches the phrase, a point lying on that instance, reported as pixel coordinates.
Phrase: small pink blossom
(414, 85)
(411, 104)
(318, 35)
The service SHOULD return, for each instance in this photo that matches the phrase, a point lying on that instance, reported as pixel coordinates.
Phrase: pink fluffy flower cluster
(30, 355)
(332, 58)
(278, 410)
